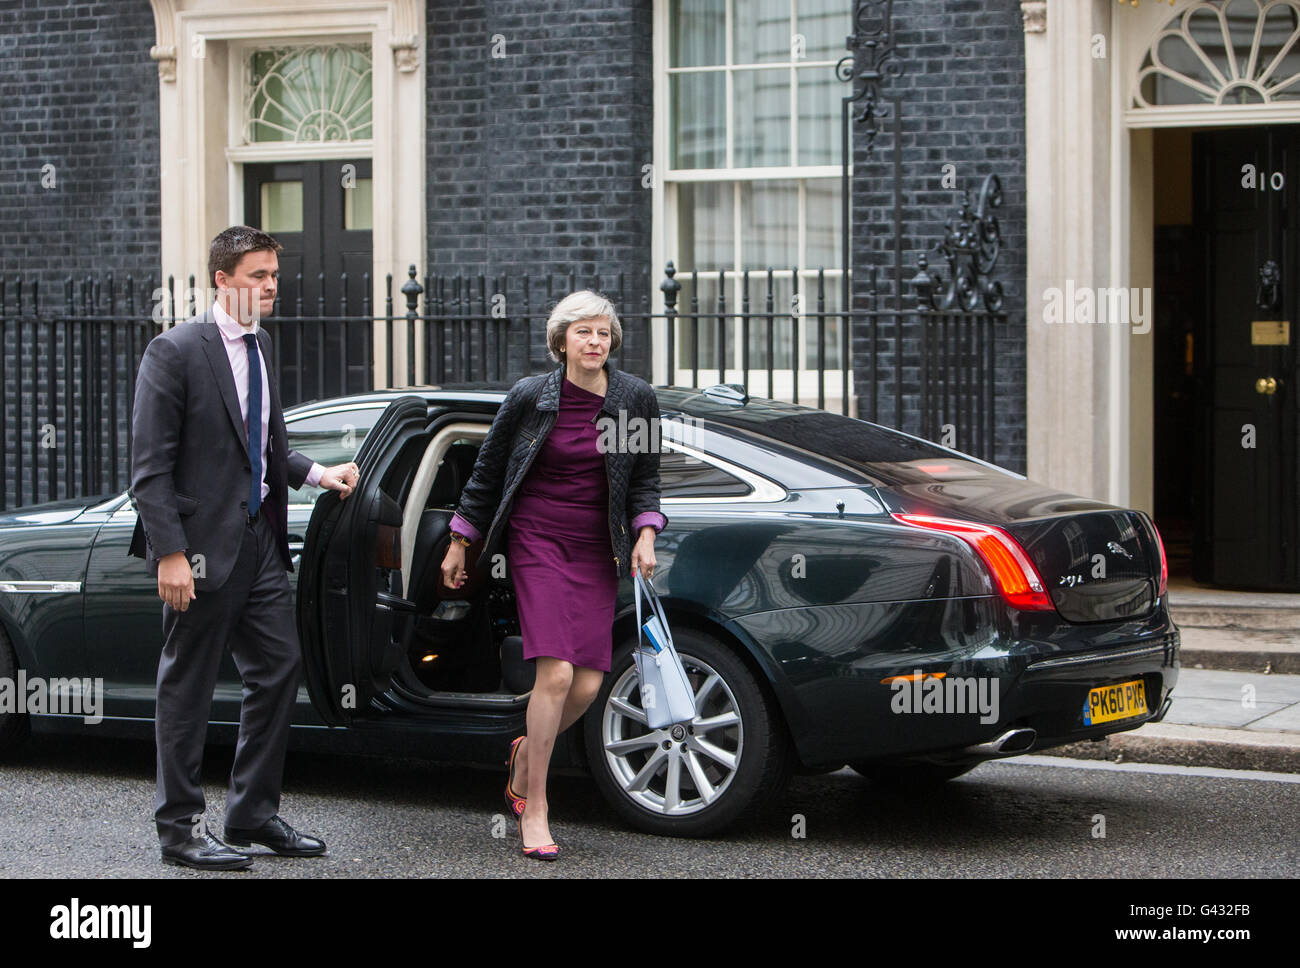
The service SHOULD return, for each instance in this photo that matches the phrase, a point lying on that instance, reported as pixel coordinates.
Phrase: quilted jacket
(516, 437)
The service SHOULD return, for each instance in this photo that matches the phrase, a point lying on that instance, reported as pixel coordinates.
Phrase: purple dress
(559, 550)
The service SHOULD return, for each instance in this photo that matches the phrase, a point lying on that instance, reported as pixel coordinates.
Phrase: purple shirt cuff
(461, 526)
(313, 476)
(652, 518)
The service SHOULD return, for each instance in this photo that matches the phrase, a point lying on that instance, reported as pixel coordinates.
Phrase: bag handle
(642, 586)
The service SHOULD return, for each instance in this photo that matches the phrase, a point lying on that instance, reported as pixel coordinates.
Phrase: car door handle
(295, 548)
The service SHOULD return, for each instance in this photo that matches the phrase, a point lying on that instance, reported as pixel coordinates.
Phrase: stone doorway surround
(200, 115)
(1090, 183)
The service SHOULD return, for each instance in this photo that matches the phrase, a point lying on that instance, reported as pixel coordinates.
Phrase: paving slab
(1226, 684)
(1217, 712)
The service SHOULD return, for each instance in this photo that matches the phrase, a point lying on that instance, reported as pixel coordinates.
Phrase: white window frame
(239, 153)
(664, 241)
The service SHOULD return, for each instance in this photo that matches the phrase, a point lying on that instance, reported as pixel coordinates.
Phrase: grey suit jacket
(190, 474)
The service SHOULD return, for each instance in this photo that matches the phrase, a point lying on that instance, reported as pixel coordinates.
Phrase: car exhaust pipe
(1013, 741)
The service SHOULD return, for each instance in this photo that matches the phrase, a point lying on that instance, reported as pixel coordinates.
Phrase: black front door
(320, 211)
(1246, 184)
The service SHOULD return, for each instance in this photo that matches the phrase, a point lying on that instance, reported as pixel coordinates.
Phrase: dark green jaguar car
(839, 592)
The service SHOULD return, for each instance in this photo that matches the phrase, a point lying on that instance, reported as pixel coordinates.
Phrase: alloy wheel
(681, 769)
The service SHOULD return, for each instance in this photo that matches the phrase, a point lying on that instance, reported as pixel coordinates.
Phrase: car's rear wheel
(693, 779)
(911, 774)
(14, 727)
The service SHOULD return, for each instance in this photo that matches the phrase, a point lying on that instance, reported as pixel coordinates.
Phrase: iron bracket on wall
(970, 246)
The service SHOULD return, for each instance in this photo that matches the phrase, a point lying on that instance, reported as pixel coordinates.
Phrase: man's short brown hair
(233, 244)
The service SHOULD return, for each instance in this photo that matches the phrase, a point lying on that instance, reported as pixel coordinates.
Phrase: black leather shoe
(280, 837)
(205, 853)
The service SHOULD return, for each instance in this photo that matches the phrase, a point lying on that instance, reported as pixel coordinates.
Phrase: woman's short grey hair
(573, 308)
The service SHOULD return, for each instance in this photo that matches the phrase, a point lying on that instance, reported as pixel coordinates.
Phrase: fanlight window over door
(1224, 52)
(320, 93)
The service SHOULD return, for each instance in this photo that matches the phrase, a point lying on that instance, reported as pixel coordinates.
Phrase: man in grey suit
(210, 470)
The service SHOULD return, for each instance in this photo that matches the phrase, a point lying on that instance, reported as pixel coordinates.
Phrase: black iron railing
(67, 383)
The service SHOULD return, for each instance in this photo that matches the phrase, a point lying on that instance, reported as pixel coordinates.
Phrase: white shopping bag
(666, 693)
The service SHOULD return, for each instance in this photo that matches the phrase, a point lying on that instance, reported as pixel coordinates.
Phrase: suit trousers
(253, 613)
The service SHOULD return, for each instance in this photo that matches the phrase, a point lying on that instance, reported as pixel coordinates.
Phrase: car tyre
(619, 747)
(908, 775)
(14, 727)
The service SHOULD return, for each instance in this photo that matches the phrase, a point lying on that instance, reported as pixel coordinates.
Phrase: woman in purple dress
(574, 491)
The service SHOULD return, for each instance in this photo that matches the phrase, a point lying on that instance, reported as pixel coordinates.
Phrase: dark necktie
(254, 423)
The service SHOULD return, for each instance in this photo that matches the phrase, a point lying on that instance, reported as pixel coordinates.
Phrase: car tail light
(1015, 576)
(1164, 562)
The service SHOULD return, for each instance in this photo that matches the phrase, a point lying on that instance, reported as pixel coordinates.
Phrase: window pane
(769, 225)
(780, 291)
(708, 325)
(681, 475)
(762, 31)
(1178, 57)
(705, 226)
(820, 94)
(830, 303)
(699, 113)
(696, 329)
(309, 94)
(822, 224)
(1279, 26)
(329, 439)
(762, 117)
(824, 24)
(358, 205)
(782, 324)
(282, 206)
(698, 37)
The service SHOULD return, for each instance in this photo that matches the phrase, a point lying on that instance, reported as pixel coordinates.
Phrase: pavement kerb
(1179, 745)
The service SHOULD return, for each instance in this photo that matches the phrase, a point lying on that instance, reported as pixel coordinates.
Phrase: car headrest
(453, 474)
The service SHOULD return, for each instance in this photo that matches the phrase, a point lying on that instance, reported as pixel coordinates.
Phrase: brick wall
(535, 157)
(963, 103)
(81, 95)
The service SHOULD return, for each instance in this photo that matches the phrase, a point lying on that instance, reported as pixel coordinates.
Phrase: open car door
(345, 610)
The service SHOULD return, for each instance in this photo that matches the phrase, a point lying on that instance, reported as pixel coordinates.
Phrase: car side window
(329, 438)
(683, 475)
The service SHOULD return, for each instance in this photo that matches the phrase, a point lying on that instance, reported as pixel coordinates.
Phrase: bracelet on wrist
(460, 538)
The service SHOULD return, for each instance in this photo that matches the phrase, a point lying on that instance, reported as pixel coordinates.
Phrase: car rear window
(880, 454)
(831, 434)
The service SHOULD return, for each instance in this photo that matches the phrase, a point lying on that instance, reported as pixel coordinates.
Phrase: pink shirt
(233, 336)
